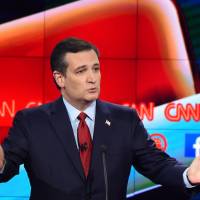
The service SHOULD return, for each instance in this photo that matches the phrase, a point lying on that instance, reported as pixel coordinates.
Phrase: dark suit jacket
(43, 140)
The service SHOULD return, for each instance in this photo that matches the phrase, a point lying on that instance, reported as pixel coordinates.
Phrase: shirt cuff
(186, 180)
(1, 171)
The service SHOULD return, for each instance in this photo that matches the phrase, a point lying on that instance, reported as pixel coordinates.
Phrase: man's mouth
(92, 90)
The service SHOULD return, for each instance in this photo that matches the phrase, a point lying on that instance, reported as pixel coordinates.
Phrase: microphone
(103, 153)
(83, 147)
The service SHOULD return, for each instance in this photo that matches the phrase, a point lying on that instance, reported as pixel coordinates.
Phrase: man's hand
(193, 172)
(1, 158)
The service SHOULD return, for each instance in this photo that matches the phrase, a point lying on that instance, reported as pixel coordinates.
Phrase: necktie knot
(82, 116)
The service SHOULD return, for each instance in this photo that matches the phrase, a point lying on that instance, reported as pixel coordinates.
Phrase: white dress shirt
(74, 113)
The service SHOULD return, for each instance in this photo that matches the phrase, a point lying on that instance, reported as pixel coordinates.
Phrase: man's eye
(96, 68)
(80, 71)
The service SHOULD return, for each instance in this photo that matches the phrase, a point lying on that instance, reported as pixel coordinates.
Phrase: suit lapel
(64, 131)
(101, 132)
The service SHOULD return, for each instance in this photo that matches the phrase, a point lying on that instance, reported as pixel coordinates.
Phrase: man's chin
(92, 98)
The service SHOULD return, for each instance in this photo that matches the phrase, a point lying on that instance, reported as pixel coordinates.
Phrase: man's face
(81, 84)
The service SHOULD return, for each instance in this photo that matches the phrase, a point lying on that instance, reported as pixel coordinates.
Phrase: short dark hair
(69, 45)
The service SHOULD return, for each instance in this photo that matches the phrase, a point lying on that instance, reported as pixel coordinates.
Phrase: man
(78, 147)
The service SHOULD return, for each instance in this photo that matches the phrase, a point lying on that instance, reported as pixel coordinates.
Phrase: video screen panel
(21, 81)
(23, 37)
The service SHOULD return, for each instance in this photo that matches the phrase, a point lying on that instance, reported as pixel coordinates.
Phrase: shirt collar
(73, 112)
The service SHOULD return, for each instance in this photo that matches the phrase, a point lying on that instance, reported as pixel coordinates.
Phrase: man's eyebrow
(81, 67)
(84, 66)
(96, 64)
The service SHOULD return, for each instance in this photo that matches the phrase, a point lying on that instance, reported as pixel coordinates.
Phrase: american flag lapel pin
(107, 122)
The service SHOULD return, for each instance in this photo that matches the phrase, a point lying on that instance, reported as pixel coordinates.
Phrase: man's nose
(91, 77)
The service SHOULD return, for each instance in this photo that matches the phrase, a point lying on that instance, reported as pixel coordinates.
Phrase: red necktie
(84, 142)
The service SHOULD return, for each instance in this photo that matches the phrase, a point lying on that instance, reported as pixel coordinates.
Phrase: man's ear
(59, 78)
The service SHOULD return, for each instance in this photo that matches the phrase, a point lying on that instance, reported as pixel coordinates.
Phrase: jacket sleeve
(15, 148)
(151, 161)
